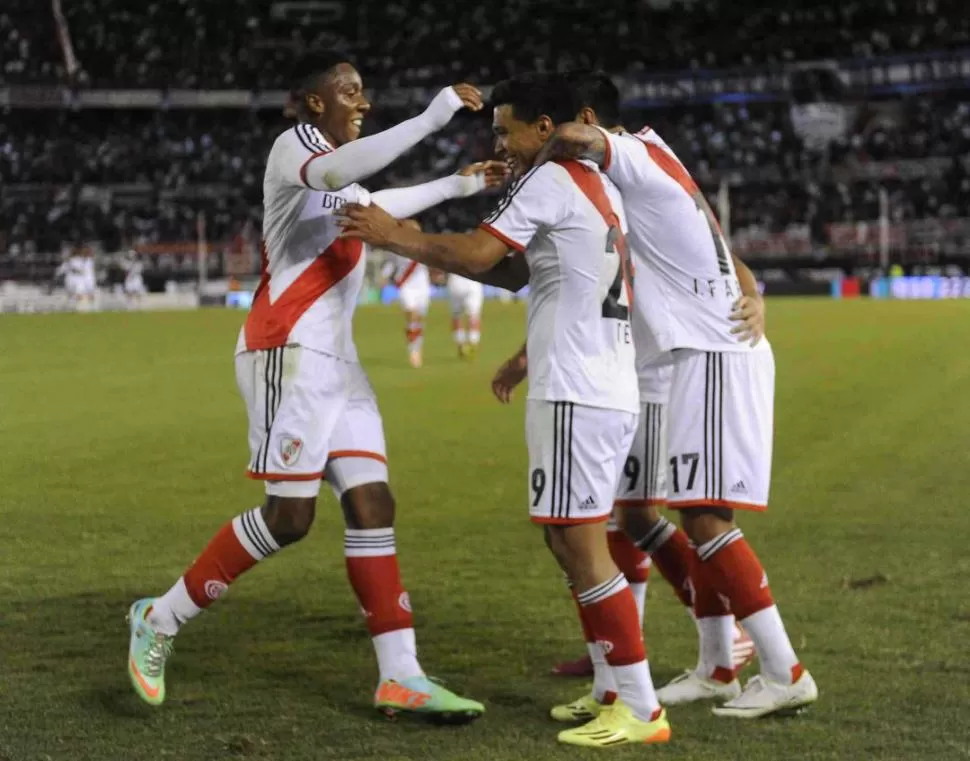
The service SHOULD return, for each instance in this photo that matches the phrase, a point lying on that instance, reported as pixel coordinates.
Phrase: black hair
(312, 66)
(533, 95)
(595, 90)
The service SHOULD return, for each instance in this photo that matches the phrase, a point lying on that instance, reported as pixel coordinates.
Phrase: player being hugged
(720, 410)
(560, 229)
(312, 412)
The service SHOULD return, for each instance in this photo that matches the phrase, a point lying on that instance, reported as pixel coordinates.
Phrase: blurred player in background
(80, 279)
(564, 223)
(311, 409)
(720, 414)
(466, 297)
(134, 285)
(414, 291)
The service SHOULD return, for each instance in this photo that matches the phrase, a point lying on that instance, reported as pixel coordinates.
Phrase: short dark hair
(312, 66)
(595, 90)
(533, 95)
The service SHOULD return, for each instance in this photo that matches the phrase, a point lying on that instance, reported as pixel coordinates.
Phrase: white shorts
(644, 478)
(135, 285)
(415, 297)
(576, 455)
(466, 297)
(720, 429)
(311, 416)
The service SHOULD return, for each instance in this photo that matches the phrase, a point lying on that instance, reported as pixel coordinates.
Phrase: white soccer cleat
(762, 697)
(691, 687)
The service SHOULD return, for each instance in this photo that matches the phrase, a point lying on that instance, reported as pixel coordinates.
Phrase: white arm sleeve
(406, 202)
(538, 200)
(310, 163)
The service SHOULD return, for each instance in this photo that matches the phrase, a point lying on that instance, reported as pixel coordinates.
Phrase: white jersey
(567, 219)
(686, 282)
(407, 273)
(311, 279)
(461, 287)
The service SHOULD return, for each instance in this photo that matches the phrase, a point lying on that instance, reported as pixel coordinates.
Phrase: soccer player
(414, 290)
(564, 222)
(312, 412)
(643, 487)
(134, 286)
(720, 416)
(466, 297)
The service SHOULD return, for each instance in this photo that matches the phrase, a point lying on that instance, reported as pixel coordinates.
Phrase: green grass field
(122, 447)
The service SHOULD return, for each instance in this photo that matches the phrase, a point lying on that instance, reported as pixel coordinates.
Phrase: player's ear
(544, 127)
(314, 103)
(587, 116)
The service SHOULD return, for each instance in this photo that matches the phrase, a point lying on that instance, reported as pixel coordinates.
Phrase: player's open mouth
(357, 122)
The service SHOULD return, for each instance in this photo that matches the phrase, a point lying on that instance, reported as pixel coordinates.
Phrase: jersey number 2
(616, 305)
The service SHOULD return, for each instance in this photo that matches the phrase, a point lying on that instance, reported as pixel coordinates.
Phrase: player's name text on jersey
(331, 201)
(715, 287)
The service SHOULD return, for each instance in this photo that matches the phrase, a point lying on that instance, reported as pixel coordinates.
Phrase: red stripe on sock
(377, 583)
(631, 560)
(222, 561)
(615, 624)
(673, 559)
(587, 632)
(707, 602)
(737, 574)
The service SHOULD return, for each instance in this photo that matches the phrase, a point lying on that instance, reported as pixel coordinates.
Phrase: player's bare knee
(289, 518)
(702, 524)
(637, 522)
(368, 506)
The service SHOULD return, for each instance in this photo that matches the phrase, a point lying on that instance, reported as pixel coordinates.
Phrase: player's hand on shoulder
(485, 174)
(512, 372)
(749, 313)
(571, 141)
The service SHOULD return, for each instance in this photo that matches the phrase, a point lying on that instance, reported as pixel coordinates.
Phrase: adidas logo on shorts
(588, 504)
(739, 488)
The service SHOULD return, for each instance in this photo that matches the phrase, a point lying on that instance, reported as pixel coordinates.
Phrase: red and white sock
(371, 559)
(633, 563)
(474, 331)
(670, 550)
(458, 331)
(415, 336)
(715, 626)
(611, 614)
(736, 573)
(604, 685)
(236, 547)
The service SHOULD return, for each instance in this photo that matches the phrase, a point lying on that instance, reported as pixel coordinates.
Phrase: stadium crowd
(122, 177)
(178, 43)
(162, 167)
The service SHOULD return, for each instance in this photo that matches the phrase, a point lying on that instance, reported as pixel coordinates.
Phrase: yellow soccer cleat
(584, 709)
(616, 725)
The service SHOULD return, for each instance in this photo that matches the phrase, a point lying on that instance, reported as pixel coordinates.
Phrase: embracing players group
(649, 384)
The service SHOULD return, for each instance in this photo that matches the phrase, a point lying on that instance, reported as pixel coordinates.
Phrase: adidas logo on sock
(739, 488)
(588, 504)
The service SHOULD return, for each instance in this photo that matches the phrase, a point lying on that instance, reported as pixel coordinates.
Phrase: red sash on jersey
(269, 323)
(407, 274)
(589, 182)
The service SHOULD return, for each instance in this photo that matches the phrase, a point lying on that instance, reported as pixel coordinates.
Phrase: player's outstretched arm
(411, 200)
(467, 254)
(362, 158)
(749, 310)
(575, 141)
